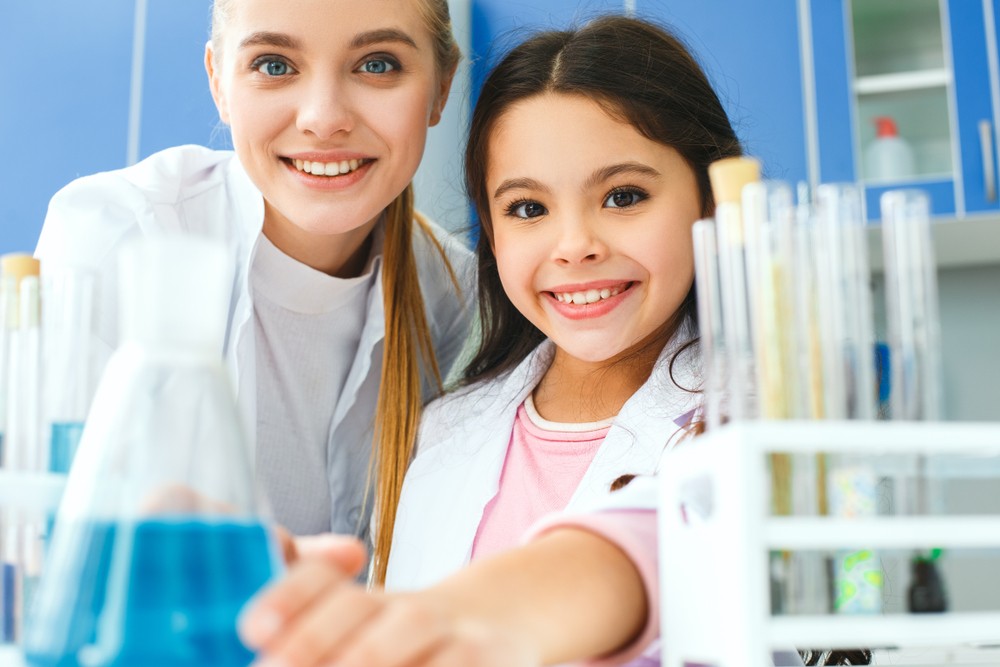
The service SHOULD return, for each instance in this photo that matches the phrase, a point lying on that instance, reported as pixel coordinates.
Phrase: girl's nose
(578, 242)
(325, 110)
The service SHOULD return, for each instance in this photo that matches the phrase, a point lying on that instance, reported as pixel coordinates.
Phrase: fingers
(347, 553)
(267, 614)
(405, 632)
(324, 629)
(286, 543)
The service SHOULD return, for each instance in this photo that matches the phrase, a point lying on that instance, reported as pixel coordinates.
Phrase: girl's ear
(215, 83)
(444, 86)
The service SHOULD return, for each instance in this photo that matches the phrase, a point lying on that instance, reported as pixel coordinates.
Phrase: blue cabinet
(931, 65)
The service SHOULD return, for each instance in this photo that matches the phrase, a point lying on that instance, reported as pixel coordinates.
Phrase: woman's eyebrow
(382, 35)
(265, 38)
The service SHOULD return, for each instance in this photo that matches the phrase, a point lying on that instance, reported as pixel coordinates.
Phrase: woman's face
(328, 102)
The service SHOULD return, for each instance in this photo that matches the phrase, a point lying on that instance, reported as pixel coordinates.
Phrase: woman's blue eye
(527, 209)
(272, 67)
(378, 66)
(623, 199)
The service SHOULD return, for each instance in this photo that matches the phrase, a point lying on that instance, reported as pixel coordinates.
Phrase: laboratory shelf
(894, 83)
(719, 535)
(927, 532)
(958, 243)
(31, 490)
(912, 630)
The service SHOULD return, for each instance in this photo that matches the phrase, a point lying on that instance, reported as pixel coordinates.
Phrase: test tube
(768, 218)
(22, 542)
(851, 390)
(728, 176)
(710, 324)
(67, 324)
(911, 305)
(8, 321)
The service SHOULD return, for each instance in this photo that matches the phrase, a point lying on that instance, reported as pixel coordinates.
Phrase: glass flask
(161, 536)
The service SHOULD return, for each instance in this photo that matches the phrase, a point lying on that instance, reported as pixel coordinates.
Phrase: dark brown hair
(640, 74)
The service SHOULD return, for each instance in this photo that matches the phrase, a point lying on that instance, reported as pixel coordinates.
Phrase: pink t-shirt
(544, 465)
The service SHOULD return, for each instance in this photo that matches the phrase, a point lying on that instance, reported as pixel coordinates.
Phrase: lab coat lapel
(247, 205)
(641, 431)
(458, 475)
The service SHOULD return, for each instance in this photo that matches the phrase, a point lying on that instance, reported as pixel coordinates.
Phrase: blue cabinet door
(972, 60)
(751, 53)
(65, 108)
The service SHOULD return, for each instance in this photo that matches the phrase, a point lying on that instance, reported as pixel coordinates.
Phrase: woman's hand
(318, 615)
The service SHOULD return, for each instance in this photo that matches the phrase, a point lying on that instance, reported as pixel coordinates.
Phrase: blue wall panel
(752, 59)
(64, 110)
(177, 106)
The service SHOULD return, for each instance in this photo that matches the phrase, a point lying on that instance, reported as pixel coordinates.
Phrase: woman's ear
(444, 87)
(215, 83)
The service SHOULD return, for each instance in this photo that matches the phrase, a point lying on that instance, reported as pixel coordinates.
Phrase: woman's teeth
(327, 168)
(590, 296)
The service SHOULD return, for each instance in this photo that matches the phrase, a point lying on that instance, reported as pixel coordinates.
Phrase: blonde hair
(408, 355)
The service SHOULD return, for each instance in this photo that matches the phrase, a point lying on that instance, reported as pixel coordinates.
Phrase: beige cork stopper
(19, 265)
(729, 175)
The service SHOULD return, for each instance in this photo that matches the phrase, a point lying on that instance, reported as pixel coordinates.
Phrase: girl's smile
(578, 302)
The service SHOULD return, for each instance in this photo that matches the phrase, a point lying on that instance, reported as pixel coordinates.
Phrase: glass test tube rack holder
(716, 588)
(22, 494)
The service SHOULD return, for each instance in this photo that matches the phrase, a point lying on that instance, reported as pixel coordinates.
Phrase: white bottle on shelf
(889, 157)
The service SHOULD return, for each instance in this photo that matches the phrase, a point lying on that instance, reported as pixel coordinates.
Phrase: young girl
(587, 163)
(345, 310)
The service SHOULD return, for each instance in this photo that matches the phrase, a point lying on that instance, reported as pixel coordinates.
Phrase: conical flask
(161, 536)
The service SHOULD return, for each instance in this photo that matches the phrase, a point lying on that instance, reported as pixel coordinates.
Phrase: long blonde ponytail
(407, 357)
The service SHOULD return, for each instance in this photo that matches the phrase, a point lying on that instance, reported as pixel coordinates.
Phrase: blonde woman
(345, 309)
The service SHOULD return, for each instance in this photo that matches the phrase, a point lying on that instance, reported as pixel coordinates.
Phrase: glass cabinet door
(907, 99)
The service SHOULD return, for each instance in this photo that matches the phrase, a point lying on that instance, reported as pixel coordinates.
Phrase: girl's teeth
(327, 168)
(590, 296)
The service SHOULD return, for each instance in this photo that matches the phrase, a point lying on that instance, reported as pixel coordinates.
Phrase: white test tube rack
(716, 608)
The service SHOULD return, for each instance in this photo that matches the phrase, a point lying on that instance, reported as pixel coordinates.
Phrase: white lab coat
(463, 444)
(196, 190)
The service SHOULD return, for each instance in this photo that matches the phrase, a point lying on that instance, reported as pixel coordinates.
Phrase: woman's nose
(325, 110)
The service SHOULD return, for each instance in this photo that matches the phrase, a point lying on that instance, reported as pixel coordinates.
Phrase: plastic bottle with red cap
(889, 156)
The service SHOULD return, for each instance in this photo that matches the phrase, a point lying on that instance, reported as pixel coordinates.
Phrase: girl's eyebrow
(599, 176)
(518, 184)
(612, 170)
(265, 38)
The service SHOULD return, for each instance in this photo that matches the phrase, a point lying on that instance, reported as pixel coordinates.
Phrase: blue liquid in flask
(185, 582)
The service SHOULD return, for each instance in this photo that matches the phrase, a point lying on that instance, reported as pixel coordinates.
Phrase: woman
(345, 308)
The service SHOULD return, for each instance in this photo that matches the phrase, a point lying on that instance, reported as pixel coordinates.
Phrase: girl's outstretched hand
(318, 615)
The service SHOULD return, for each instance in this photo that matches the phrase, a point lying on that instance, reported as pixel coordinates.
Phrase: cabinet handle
(989, 173)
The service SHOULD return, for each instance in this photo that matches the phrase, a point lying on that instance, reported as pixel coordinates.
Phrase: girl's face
(328, 102)
(591, 224)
